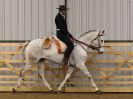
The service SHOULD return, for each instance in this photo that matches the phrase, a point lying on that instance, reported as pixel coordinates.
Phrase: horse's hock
(112, 71)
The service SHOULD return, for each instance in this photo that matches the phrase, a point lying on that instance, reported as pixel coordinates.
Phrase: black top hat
(62, 7)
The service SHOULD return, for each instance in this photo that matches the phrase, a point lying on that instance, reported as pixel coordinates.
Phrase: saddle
(47, 43)
(61, 46)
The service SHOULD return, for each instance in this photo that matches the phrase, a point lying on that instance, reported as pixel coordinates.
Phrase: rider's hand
(73, 39)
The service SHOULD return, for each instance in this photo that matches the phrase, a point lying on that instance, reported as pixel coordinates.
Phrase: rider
(63, 34)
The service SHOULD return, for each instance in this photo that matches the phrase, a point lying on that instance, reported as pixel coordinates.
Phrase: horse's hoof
(14, 90)
(60, 91)
(97, 91)
(52, 91)
(70, 85)
(107, 77)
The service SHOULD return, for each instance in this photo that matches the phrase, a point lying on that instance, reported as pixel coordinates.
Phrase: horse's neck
(86, 39)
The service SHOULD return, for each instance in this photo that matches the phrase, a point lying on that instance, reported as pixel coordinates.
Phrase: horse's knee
(22, 72)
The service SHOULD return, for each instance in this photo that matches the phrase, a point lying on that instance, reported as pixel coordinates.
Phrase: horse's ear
(103, 32)
(99, 33)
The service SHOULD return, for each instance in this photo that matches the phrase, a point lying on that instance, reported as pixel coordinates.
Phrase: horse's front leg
(69, 72)
(83, 68)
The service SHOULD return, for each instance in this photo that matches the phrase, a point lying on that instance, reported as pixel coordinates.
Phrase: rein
(89, 46)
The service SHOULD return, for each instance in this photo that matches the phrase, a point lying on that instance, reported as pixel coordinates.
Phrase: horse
(39, 50)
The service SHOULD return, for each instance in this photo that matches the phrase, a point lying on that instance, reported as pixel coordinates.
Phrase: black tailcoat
(61, 24)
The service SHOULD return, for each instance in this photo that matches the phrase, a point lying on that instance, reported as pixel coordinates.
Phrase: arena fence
(112, 71)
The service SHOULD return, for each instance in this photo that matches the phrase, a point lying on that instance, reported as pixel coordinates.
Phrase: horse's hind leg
(69, 72)
(28, 66)
(83, 68)
(22, 73)
(41, 74)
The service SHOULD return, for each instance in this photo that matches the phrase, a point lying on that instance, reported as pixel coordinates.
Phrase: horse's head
(98, 42)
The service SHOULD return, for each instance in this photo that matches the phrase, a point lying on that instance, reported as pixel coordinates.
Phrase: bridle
(99, 44)
(91, 46)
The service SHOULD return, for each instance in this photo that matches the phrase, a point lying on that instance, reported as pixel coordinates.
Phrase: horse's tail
(22, 48)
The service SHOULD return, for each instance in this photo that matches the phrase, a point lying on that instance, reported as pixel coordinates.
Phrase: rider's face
(63, 12)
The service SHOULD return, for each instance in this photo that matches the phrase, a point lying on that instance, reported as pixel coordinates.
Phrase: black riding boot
(65, 60)
(67, 54)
